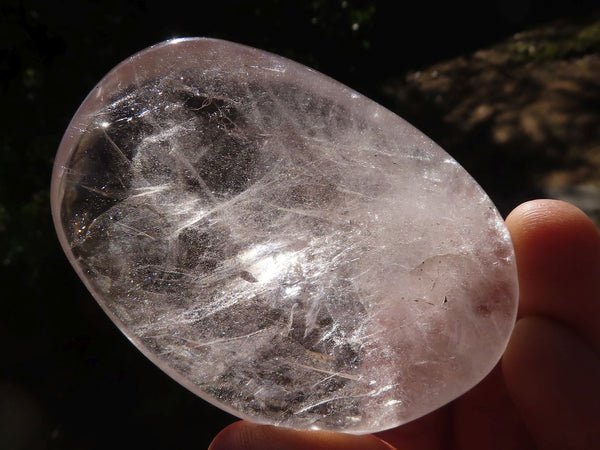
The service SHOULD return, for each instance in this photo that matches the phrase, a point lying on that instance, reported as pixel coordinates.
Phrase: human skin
(545, 392)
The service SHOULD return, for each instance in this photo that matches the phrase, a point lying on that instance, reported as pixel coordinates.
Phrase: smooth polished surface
(279, 244)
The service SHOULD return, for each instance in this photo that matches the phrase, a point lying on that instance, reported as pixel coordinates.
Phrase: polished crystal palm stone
(282, 246)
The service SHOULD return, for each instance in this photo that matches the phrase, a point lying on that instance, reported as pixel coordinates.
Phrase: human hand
(544, 394)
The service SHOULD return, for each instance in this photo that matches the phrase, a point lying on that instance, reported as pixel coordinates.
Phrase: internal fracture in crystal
(279, 244)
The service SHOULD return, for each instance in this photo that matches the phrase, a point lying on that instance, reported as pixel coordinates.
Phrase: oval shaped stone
(279, 244)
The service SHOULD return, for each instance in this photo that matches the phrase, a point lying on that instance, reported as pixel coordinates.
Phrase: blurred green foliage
(557, 40)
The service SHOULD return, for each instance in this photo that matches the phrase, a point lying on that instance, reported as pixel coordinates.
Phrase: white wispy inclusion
(284, 247)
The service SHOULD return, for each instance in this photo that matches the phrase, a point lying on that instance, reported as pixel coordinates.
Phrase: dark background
(68, 378)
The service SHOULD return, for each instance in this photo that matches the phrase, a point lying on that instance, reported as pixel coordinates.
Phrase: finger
(248, 436)
(550, 367)
(558, 257)
(553, 376)
(547, 236)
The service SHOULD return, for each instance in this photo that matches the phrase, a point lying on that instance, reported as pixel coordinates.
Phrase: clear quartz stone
(279, 244)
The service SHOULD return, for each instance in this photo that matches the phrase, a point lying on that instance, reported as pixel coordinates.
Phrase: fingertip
(535, 219)
(554, 229)
(244, 435)
(233, 436)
